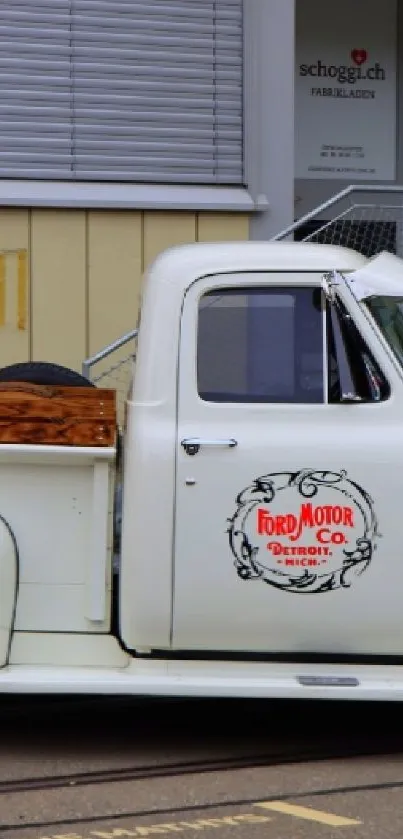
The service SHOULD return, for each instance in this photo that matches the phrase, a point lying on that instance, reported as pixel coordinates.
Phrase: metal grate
(366, 219)
(358, 230)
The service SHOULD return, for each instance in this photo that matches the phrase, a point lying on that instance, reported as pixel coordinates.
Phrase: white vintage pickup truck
(261, 548)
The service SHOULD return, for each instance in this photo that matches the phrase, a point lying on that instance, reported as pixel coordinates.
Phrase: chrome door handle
(192, 445)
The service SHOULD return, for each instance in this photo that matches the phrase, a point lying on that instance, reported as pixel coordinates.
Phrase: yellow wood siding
(164, 230)
(58, 277)
(221, 227)
(114, 275)
(14, 286)
(70, 279)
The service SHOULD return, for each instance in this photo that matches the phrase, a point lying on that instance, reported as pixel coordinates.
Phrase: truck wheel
(43, 373)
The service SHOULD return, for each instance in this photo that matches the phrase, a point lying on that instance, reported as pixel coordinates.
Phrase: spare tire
(43, 373)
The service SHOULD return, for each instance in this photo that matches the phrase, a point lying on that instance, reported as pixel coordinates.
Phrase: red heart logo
(359, 56)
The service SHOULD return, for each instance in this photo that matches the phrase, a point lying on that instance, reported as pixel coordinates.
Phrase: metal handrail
(99, 356)
(339, 196)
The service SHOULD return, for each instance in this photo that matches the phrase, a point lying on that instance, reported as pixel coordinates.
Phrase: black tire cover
(43, 373)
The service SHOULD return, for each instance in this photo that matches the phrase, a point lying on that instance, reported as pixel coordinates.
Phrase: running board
(211, 679)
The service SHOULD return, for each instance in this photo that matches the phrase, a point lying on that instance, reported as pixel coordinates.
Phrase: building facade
(128, 126)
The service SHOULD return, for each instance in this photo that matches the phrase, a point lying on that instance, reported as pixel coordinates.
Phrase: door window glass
(261, 345)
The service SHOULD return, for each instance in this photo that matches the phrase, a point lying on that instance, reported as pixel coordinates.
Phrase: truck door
(289, 474)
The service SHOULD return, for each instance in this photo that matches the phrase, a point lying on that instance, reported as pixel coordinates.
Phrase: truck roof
(200, 259)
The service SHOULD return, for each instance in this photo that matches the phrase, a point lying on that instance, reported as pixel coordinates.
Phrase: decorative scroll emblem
(306, 532)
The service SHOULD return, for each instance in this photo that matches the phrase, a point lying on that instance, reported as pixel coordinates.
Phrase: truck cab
(260, 546)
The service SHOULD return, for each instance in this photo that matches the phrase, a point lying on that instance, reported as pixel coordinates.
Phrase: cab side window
(268, 345)
(261, 345)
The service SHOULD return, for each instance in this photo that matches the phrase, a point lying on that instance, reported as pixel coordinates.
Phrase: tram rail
(279, 757)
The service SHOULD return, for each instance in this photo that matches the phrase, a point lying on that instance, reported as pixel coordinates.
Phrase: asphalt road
(360, 796)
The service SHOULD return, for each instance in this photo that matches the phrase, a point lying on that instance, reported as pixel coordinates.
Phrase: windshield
(388, 314)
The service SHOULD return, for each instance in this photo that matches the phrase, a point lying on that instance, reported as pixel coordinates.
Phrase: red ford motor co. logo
(306, 532)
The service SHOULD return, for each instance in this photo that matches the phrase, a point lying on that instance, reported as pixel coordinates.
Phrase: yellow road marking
(235, 820)
(172, 827)
(307, 813)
